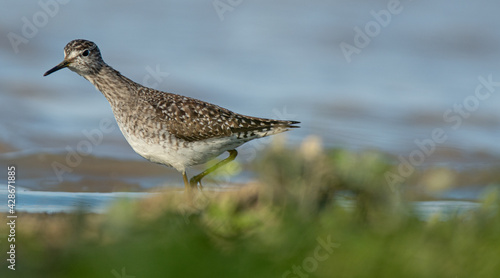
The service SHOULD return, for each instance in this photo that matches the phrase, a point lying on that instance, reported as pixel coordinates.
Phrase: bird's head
(82, 57)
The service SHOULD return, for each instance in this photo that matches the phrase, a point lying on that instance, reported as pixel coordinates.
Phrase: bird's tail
(260, 127)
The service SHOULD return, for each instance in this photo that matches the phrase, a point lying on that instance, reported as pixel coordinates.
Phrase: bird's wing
(192, 120)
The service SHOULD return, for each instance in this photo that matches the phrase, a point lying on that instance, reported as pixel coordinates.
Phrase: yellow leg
(197, 179)
(188, 192)
(186, 183)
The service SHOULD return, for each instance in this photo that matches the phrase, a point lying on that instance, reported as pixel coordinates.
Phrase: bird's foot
(195, 182)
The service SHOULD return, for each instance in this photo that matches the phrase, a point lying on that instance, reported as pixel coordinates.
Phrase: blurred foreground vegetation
(296, 221)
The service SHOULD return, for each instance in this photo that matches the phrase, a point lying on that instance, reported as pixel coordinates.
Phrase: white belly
(179, 153)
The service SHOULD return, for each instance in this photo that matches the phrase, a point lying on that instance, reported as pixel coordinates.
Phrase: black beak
(61, 65)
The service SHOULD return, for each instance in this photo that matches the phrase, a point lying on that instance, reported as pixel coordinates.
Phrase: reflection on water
(266, 58)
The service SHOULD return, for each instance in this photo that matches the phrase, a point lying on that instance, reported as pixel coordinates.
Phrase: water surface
(278, 59)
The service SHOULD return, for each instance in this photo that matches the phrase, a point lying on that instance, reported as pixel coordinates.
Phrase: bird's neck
(112, 84)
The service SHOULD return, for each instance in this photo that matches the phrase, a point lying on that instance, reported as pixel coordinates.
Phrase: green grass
(289, 224)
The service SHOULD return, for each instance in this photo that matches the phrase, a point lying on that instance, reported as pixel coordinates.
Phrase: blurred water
(55, 202)
(265, 58)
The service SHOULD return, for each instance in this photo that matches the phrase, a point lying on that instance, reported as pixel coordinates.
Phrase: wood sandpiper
(167, 128)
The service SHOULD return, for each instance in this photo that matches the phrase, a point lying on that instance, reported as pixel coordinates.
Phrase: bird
(167, 128)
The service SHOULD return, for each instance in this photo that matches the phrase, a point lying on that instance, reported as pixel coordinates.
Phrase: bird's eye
(86, 53)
